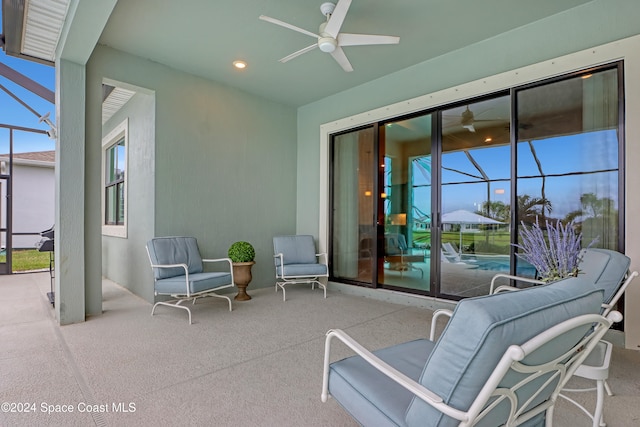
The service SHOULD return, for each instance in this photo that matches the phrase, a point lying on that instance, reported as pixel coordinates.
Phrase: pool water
(499, 263)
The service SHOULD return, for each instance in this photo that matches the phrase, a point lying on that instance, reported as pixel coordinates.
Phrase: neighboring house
(33, 182)
(194, 148)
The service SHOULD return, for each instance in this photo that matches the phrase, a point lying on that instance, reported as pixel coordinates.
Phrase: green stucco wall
(225, 168)
(119, 255)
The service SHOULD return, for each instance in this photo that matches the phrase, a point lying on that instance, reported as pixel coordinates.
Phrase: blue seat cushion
(298, 249)
(174, 250)
(605, 268)
(372, 398)
(198, 282)
(480, 331)
(302, 270)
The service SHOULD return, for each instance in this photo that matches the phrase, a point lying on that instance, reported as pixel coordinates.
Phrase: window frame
(113, 138)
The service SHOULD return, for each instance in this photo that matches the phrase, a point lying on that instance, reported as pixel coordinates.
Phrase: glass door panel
(475, 203)
(568, 155)
(353, 206)
(405, 204)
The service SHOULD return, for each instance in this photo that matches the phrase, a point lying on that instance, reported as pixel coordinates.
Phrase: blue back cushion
(299, 249)
(605, 268)
(482, 329)
(174, 250)
(394, 244)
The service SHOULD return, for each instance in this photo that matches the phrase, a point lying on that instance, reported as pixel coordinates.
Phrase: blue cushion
(302, 270)
(481, 330)
(605, 268)
(174, 250)
(394, 244)
(197, 282)
(299, 249)
(374, 399)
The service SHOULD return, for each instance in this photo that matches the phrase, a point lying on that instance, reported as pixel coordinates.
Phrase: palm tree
(530, 208)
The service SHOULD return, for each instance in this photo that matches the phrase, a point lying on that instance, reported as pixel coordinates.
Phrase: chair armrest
(186, 273)
(323, 254)
(384, 368)
(509, 276)
(227, 260)
(281, 256)
(434, 318)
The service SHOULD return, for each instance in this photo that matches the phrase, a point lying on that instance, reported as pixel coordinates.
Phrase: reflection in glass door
(405, 204)
(475, 203)
(568, 156)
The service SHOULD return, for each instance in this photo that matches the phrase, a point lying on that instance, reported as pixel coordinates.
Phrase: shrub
(241, 252)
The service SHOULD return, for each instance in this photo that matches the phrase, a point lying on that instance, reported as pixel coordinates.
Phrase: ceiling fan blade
(347, 39)
(298, 53)
(337, 18)
(285, 25)
(341, 58)
(470, 127)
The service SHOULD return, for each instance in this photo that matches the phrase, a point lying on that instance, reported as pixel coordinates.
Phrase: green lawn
(28, 259)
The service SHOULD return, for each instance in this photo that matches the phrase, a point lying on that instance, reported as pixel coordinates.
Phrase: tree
(496, 210)
(530, 208)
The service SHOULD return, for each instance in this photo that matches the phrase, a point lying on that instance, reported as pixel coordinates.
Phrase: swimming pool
(499, 263)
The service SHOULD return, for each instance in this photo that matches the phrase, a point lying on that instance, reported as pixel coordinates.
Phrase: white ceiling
(204, 37)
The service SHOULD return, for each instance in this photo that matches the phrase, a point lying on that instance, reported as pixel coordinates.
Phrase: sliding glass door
(569, 157)
(475, 170)
(353, 206)
(431, 203)
(405, 204)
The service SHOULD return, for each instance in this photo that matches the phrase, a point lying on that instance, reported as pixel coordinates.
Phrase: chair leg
(598, 414)
(597, 417)
(176, 305)
(222, 296)
(281, 286)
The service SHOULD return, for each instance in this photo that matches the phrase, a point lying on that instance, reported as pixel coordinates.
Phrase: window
(547, 150)
(115, 182)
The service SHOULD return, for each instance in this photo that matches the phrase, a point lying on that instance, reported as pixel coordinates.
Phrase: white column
(70, 193)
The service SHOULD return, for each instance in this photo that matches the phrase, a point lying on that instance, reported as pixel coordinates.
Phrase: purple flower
(556, 255)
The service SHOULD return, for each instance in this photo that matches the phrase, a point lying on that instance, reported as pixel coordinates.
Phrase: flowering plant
(554, 257)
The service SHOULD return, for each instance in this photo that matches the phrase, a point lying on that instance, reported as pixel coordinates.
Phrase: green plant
(241, 252)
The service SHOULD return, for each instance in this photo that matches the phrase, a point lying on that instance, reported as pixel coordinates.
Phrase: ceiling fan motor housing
(326, 43)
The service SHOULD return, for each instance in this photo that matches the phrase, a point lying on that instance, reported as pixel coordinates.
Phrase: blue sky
(13, 113)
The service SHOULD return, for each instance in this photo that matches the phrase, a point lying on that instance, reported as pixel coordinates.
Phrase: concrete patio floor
(259, 365)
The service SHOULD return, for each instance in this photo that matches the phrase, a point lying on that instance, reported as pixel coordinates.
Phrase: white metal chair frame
(282, 280)
(598, 372)
(562, 368)
(179, 298)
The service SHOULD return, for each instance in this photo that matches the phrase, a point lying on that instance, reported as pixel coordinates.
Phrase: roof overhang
(32, 28)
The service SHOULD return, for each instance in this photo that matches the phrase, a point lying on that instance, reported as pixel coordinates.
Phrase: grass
(28, 259)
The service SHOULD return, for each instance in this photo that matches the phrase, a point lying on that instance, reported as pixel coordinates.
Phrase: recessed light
(240, 65)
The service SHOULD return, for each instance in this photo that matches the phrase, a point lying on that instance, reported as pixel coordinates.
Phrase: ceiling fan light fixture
(327, 44)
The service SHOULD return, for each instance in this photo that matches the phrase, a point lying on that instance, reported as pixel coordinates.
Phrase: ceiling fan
(329, 37)
(468, 120)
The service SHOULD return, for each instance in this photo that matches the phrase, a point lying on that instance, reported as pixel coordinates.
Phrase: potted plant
(556, 255)
(242, 256)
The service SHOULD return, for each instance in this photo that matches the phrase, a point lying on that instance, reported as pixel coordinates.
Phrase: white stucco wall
(33, 201)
